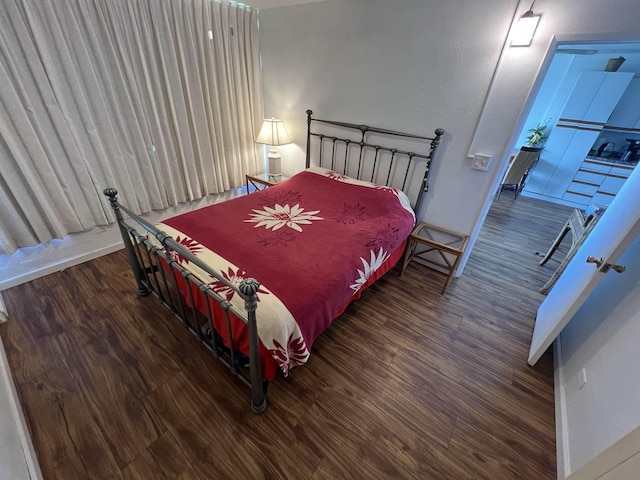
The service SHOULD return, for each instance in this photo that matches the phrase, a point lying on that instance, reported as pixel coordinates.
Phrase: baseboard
(620, 461)
(34, 262)
(3, 310)
(547, 198)
(59, 265)
(562, 438)
(17, 427)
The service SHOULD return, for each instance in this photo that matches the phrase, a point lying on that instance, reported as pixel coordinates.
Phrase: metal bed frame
(374, 154)
(147, 251)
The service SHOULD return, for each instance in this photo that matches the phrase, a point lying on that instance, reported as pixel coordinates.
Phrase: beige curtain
(159, 99)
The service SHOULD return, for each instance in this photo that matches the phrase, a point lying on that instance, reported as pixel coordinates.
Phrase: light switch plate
(481, 162)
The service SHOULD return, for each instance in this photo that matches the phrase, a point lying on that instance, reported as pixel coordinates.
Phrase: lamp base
(275, 163)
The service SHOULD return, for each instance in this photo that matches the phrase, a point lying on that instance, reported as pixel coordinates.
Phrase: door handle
(605, 267)
(597, 261)
(617, 268)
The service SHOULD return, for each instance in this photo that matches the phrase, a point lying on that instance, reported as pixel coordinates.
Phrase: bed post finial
(111, 193)
(308, 158)
(249, 288)
(435, 142)
(425, 180)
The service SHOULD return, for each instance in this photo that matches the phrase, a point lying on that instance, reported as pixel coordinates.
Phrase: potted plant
(537, 136)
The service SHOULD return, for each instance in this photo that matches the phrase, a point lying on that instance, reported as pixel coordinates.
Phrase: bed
(259, 277)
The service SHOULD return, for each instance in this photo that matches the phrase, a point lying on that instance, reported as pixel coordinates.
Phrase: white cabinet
(589, 106)
(584, 91)
(570, 162)
(549, 158)
(597, 182)
(626, 115)
(595, 95)
(608, 96)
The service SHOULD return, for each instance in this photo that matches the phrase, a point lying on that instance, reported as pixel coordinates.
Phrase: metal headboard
(384, 165)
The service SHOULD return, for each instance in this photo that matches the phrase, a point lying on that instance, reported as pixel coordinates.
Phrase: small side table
(262, 180)
(449, 246)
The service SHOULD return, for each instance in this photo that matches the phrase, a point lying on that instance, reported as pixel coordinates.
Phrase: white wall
(603, 338)
(416, 65)
(408, 65)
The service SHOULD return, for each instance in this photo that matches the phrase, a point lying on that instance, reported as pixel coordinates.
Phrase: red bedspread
(312, 242)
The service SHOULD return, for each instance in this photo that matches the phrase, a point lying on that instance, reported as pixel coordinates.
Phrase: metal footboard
(156, 271)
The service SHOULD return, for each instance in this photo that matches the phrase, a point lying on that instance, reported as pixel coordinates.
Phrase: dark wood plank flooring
(406, 384)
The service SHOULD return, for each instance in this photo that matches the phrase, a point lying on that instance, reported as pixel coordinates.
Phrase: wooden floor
(406, 384)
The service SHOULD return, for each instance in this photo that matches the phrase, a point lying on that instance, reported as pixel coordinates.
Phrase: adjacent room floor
(406, 384)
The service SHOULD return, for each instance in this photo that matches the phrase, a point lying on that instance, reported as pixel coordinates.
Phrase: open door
(614, 232)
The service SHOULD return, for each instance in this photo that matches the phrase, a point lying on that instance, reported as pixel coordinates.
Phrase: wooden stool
(427, 238)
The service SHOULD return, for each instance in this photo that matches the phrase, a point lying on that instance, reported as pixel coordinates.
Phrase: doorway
(582, 56)
(589, 102)
(560, 291)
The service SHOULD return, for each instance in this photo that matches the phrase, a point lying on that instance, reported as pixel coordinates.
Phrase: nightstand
(262, 180)
(436, 246)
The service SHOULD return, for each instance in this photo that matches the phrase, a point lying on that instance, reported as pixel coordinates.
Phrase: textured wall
(416, 65)
(406, 65)
(603, 338)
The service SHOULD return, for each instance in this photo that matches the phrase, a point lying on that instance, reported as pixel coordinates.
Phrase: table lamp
(274, 134)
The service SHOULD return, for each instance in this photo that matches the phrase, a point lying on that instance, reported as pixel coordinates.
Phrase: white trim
(81, 247)
(503, 158)
(30, 275)
(608, 37)
(610, 459)
(563, 459)
(3, 311)
(556, 40)
(505, 44)
(30, 457)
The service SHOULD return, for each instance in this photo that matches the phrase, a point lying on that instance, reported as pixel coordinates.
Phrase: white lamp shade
(273, 133)
(525, 28)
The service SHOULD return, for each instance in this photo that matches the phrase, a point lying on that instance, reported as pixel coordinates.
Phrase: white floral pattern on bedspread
(283, 216)
(369, 268)
(277, 328)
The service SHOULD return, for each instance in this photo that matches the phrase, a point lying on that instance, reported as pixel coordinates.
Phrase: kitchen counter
(612, 160)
